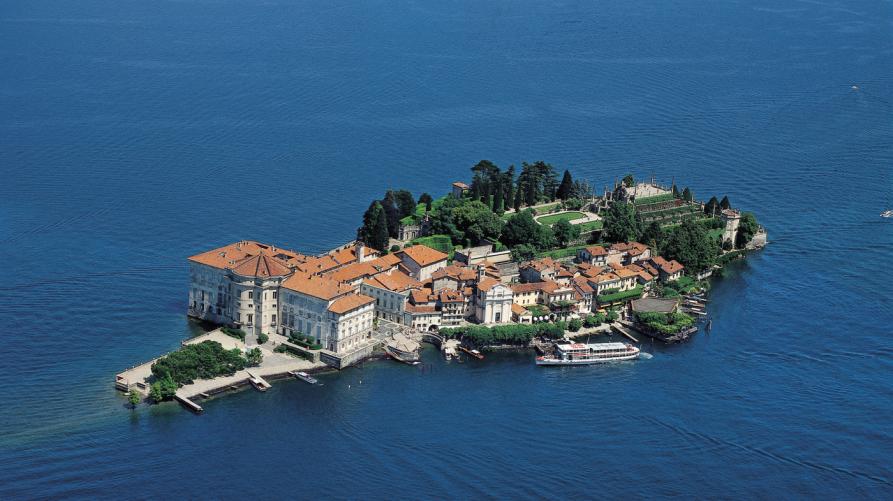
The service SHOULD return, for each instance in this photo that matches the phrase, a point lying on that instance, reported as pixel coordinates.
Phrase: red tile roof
(597, 250)
(396, 281)
(261, 266)
(318, 287)
(349, 302)
(423, 255)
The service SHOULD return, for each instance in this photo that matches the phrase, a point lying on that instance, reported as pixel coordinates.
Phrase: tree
(691, 245)
(687, 195)
(575, 325)
(523, 252)
(476, 222)
(254, 357)
(711, 207)
(676, 193)
(392, 215)
(653, 236)
(498, 199)
(628, 180)
(426, 199)
(262, 338)
(133, 398)
(565, 189)
(725, 203)
(406, 204)
(573, 204)
(508, 182)
(581, 190)
(163, 389)
(621, 223)
(612, 316)
(565, 232)
(747, 228)
(522, 229)
(374, 231)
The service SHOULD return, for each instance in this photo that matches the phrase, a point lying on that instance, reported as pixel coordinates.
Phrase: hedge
(522, 334)
(633, 293)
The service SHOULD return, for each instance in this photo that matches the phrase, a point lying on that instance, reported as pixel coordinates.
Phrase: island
(510, 261)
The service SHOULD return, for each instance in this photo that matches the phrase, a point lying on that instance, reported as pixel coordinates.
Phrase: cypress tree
(566, 187)
(498, 199)
(374, 231)
(687, 195)
(711, 207)
(676, 193)
(725, 203)
(392, 215)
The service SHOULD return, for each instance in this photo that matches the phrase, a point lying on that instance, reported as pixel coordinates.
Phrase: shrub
(612, 316)
(262, 338)
(666, 323)
(254, 357)
(395, 248)
(205, 360)
(236, 333)
(575, 325)
(163, 389)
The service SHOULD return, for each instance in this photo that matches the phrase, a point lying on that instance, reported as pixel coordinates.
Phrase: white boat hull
(558, 361)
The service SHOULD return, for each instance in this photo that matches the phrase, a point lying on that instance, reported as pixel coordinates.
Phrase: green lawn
(666, 197)
(439, 242)
(564, 216)
(591, 226)
(620, 296)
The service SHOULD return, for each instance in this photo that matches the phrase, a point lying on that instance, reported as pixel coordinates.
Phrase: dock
(189, 404)
(617, 326)
(259, 383)
(473, 353)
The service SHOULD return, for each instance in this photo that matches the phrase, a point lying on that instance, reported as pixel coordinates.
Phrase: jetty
(474, 353)
(258, 382)
(622, 329)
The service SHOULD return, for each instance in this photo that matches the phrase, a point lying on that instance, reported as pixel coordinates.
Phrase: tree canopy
(565, 189)
(747, 228)
(522, 229)
(725, 204)
(565, 232)
(687, 195)
(622, 223)
(374, 231)
(689, 243)
(628, 180)
(406, 204)
(426, 199)
(476, 222)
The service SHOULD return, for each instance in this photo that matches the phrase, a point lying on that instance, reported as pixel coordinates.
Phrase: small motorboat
(887, 213)
(303, 376)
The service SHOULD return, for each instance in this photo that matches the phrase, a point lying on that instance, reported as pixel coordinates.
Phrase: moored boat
(303, 376)
(887, 213)
(587, 354)
(403, 349)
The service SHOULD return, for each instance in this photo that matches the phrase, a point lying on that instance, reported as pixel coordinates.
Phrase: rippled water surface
(133, 134)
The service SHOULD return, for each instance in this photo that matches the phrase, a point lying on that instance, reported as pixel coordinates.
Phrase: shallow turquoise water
(133, 134)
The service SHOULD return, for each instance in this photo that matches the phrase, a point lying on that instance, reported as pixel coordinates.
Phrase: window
(498, 316)
(275, 294)
(250, 319)
(273, 318)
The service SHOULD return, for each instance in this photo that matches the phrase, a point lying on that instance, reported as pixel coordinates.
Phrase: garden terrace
(665, 323)
(654, 200)
(443, 243)
(617, 297)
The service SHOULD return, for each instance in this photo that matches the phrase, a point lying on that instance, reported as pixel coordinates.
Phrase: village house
(668, 270)
(421, 261)
(459, 189)
(493, 302)
(391, 292)
(595, 255)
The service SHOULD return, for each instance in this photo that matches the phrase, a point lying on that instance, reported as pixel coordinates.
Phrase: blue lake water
(134, 134)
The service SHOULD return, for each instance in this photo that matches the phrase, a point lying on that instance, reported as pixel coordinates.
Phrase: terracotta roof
(460, 184)
(353, 272)
(488, 283)
(261, 265)
(318, 287)
(597, 250)
(396, 281)
(605, 277)
(460, 273)
(519, 310)
(625, 273)
(541, 264)
(413, 308)
(387, 261)
(319, 264)
(450, 296)
(547, 286)
(631, 248)
(423, 255)
(349, 302)
(227, 256)
(672, 267)
(422, 296)
(583, 286)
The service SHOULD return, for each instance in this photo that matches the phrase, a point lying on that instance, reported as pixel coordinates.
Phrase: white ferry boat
(586, 354)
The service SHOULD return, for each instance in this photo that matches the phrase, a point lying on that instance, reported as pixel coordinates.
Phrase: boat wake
(646, 356)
